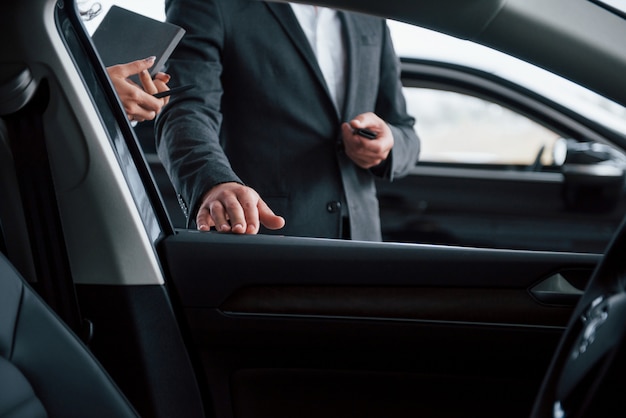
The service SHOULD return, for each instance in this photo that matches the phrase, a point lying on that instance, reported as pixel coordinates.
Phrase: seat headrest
(17, 87)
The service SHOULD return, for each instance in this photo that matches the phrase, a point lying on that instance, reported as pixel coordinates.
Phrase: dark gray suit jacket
(261, 114)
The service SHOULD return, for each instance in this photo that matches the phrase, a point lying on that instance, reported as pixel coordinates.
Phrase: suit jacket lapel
(289, 22)
(351, 37)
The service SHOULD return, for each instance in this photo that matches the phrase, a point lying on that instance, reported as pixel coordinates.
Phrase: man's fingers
(365, 120)
(228, 214)
(251, 213)
(219, 216)
(367, 153)
(233, 207)
(204, 220)
(268, 218)
(236, 215)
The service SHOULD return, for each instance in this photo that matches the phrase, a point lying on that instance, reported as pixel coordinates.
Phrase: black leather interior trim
(293, 261)
(366, 319)
(504, 306)
(17, 398)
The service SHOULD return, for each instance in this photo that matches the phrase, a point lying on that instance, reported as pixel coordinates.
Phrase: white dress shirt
(322, 27)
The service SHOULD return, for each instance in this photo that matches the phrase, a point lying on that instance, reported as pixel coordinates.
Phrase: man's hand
(138, 101)
(233, 207)
(367, 153)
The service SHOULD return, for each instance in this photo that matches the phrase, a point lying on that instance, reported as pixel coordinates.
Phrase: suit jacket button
(333, 207)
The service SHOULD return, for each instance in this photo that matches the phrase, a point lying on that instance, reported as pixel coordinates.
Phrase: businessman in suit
(266, 139)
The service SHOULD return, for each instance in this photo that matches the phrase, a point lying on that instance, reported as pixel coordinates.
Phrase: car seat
(45, 370)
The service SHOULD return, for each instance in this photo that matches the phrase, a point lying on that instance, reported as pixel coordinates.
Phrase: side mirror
(594, 174)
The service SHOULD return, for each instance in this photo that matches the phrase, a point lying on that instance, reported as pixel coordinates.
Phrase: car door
(288, 326)
(278, 326)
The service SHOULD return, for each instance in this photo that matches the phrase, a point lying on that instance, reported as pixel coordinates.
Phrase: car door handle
(556, 290)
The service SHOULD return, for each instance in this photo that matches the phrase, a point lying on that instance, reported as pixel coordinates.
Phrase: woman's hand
(138, 101)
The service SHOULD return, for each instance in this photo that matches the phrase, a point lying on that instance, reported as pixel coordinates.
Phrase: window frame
(438, 75)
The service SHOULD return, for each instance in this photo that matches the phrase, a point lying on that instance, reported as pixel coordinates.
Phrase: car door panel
(492, 209)
(316, 327)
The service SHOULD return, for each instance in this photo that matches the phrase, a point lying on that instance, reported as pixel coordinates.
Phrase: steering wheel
(587, 375)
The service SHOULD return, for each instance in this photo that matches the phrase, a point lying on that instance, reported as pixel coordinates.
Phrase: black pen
(365, 133)
(174, 90)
